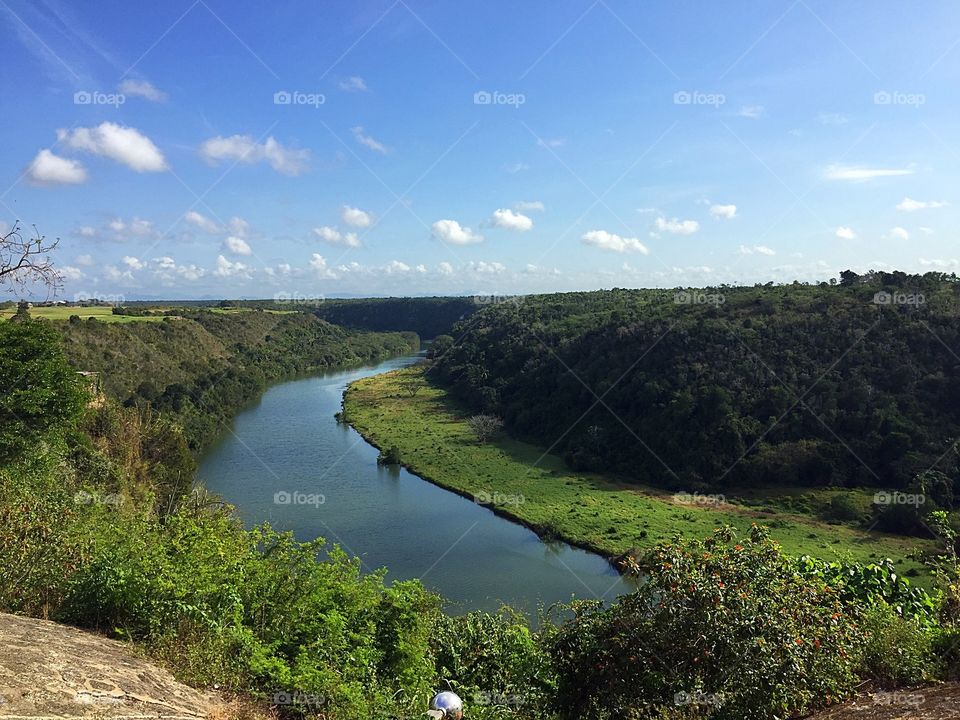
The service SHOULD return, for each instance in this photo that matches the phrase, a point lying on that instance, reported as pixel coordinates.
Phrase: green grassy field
(104, 314)
(587, 510)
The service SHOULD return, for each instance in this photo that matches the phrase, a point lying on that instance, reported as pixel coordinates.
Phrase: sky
(215, 149)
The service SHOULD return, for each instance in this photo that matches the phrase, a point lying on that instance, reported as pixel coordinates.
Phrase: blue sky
(238, 149)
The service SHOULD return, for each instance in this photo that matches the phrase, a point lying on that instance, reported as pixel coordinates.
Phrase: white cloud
(516, 167)
(167, 270)
(84, 260)
(727, 212)
(529, 206)
(335, 237)
(752, 111)
(355, 217)
(125, 145)
(677, 227)
(133, 263)
(451, 232)
(861, 174)
(71, 273)
(509, 220)
(900, 233)
(911, 205)
(368, 141)
(421, 268)
(943, 264)
(551, 142)
(318, 264)
(846, 233)
(927, 230)
(237, 246)
(202, 222)
(142, 88)
(243, 148)
(758, 249)
(395, 266)
(485, 268)
(87, 231)
(227, 269)
(49, 169)
(614, 243)
(353, 84)
(238, 226)
(445, 268)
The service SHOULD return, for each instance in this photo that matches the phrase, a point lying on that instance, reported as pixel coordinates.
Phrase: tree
(25, 260)
(41, 392)
(440, 345)
(485, 426)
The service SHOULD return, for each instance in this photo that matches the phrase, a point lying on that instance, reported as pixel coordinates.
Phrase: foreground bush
(718, 629)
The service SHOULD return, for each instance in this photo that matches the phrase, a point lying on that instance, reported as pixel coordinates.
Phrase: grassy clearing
(587, 510)
(104, 314)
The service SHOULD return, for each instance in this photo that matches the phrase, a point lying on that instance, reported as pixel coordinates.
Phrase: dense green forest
(855, 383)
(428, 317)
(199, 367)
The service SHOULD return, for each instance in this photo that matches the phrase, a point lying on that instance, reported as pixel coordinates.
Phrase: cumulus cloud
(227, 269)
(613, 243)
(911, 205)
(900, 233)
(677, 227)
(237, 246)
(452, 233)
(243, 148)
(202, 222)
(487, 268)
(758, 249)
(318, 264)
(133, 263)
(84, 260)
(445, 268)
(368, 141)
(395, 266)
(168, 271)
(125, 145)
(353, 84)
(142, 88)
(726, 212)
(49, 169)
(862, 174)
(87, 231)
(335, 237)
(355, 217)
(509, 220)
(846, 233)
(529, 206)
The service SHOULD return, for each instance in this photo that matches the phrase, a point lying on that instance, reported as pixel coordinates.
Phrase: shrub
(898, 651)
(732, 629)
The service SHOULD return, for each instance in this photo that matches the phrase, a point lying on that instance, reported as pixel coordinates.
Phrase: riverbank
(521, 482)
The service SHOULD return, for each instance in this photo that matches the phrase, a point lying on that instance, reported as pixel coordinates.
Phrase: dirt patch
(933, 703)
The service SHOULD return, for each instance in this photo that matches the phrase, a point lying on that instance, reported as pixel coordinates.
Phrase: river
(287, 461)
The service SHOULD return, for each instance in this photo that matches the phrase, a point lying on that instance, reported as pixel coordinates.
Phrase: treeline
(199, 367)
(428, 317)
(855, 383)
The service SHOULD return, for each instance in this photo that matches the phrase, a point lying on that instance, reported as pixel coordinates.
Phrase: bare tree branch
(25, 261)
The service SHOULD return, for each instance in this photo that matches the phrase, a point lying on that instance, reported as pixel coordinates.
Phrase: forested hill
(428, 317)
(201, 366)
(856, 383)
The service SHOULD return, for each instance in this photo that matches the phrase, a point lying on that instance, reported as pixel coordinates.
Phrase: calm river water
(289, 442)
